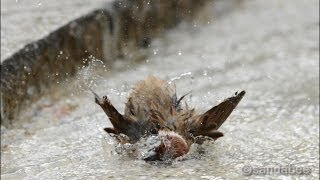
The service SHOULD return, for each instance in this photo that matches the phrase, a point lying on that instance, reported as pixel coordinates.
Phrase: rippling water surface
(270, 49)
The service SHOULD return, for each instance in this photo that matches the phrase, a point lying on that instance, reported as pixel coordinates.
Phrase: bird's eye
(153, 131)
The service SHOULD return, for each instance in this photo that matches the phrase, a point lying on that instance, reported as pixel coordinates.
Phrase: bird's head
(170, 146)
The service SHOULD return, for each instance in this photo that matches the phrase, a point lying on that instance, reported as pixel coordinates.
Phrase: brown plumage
(154, 109)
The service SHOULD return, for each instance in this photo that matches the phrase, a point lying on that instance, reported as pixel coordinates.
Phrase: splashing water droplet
(205, 73)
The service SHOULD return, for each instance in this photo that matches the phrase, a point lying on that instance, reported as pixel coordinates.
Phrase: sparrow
(153, 109)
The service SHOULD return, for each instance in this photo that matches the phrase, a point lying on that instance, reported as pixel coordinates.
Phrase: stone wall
(105, 33)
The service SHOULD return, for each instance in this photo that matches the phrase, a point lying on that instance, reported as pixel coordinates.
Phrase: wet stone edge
(104, 33)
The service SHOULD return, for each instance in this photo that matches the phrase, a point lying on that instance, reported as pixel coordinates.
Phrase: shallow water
(270, 49)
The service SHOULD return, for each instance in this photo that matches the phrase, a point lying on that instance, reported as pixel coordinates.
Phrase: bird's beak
(152, 157)
(156, 153)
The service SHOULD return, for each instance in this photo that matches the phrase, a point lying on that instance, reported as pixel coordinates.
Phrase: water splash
(90, 76)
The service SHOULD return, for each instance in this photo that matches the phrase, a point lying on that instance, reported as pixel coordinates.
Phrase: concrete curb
(106, 34)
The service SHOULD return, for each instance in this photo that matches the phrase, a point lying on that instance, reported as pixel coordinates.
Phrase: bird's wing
(207, 123)
(119, 122)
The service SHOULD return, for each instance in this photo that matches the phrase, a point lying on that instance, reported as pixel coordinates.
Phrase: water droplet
(205, 73)
(179, 53)
(155, 51)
